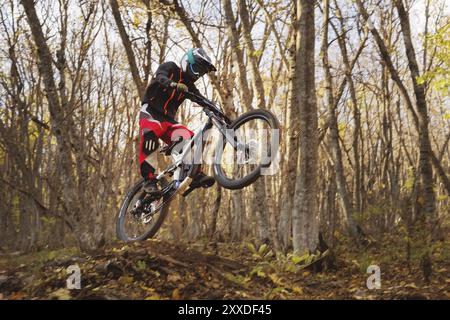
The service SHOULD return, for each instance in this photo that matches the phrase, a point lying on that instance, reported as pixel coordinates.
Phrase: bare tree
(305, 211)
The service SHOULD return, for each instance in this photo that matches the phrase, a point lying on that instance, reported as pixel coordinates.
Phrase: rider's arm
(162, 75)
(193, 89)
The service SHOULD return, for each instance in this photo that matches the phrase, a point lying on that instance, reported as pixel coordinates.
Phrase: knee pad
(150, 142)
(150, 145)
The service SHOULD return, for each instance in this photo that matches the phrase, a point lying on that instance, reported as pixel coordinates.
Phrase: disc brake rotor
(249, 153)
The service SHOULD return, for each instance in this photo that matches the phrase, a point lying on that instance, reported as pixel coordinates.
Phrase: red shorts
(150, 131)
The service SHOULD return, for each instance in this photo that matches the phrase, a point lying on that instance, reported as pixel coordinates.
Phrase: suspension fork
(230, 137)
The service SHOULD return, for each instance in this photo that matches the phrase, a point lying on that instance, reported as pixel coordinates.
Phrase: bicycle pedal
(208, 184)
(189, 190)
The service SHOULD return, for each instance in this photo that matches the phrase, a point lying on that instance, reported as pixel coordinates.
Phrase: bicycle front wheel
(256, 136)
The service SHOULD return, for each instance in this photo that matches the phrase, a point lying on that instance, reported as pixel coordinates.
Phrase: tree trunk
(60, 119)
(356, 113)
(384, 53)
(305, 216)
(334, 132)
(128, 48)
(293, 129)
(246, 95)
(259, 202)
(426, 171)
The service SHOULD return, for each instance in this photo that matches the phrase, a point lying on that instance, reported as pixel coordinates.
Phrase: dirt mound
(161, 270)
(149, 270)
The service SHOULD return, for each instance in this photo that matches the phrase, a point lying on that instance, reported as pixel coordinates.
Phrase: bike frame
(215, 118)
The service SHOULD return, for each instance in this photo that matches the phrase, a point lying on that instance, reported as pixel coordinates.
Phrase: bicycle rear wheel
(256, 135)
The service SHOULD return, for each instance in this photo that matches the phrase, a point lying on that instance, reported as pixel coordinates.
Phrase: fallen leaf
(359, 294)
(297, 289)
(176, 294)
(17, 295)
(126, 280)
(173, 277)
(411, 285)
(61, 294)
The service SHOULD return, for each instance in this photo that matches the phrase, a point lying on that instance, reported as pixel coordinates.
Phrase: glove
(180, 87)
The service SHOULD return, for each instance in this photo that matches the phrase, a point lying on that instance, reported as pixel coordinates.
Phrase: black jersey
(161, 99)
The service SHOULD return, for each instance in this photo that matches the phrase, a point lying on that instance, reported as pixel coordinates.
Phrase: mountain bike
(247, 146)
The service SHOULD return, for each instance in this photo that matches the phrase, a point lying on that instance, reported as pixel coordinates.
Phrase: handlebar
(195, 98)
(192, 96)
(209, 107)
(205, 103)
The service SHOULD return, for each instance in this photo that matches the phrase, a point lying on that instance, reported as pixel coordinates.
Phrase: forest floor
(164, 270)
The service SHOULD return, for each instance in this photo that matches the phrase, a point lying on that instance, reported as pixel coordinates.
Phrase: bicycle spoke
(237, 163)
(139, 218)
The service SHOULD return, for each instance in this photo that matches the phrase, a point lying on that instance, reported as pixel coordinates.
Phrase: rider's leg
(173, 133)
(150, 131)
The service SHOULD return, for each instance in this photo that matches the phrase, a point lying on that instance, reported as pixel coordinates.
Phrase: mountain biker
(163, 96)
